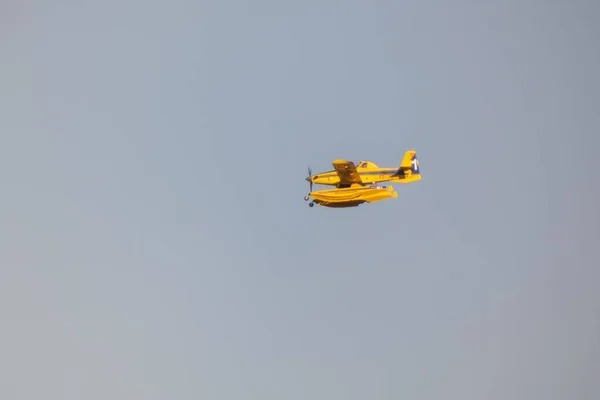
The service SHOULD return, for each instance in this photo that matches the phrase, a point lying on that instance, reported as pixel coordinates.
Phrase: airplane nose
(307, 179)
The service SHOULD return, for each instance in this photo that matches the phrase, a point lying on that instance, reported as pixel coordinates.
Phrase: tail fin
(410, 161)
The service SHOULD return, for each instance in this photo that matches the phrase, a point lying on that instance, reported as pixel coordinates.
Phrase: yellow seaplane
(358, 184)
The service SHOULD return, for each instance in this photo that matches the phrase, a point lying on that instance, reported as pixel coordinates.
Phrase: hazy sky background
(154, 239)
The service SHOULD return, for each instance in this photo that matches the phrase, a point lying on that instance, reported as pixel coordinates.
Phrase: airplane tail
(410, 162)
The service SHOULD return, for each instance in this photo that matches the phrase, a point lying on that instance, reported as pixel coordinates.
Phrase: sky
(154, 240)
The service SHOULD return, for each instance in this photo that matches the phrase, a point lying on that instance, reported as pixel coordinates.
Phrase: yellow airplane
(355, 185)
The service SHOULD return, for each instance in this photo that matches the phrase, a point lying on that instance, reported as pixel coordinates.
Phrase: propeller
(309, 180)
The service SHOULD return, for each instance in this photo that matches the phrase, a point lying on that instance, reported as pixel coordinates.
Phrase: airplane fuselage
(368, 176)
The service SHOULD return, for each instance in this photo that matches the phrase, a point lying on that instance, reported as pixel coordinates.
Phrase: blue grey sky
(154, 239)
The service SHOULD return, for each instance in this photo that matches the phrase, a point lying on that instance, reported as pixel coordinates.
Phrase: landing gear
(306, 198)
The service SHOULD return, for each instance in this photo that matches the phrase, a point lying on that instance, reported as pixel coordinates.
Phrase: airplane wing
(347, 172)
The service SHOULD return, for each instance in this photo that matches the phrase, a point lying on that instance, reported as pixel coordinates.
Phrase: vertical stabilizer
(410, 162)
